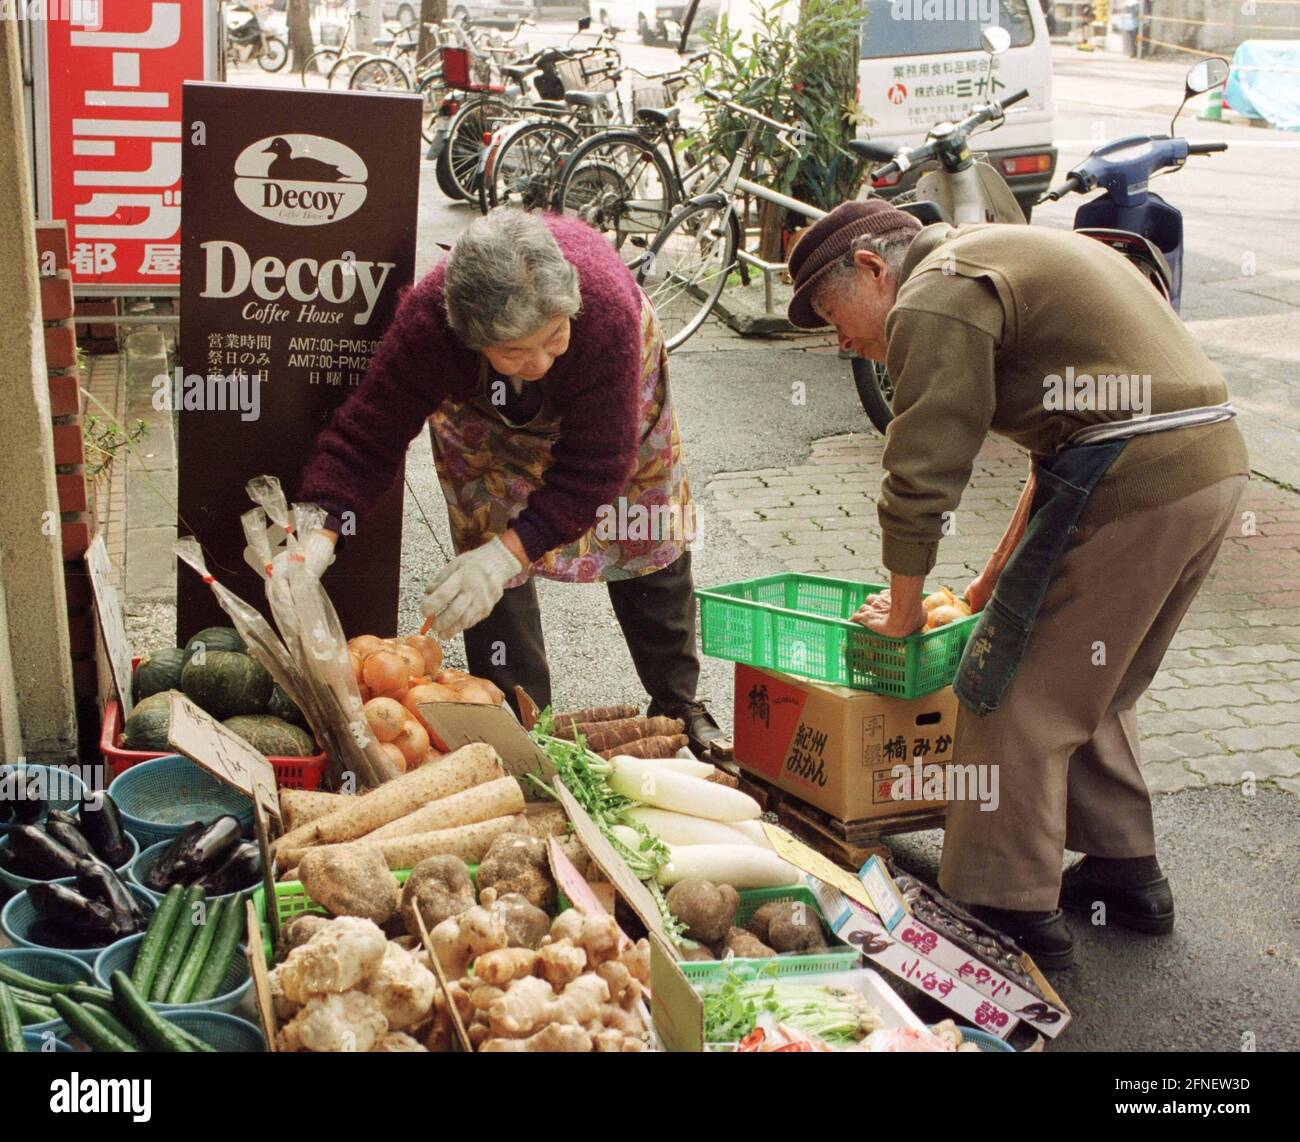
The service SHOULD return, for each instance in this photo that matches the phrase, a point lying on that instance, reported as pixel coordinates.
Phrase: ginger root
(499, 967)
(561, 962)
(552, 1037)
(530, 1003)
(459, 939)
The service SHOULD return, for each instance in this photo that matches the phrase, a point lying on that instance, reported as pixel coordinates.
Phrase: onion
(365, 644)
(943, 615)
(385, 671)
(941, 597)
(413, 741)
(429, 650)
(450, 676)
(395, 755)
(414, 659)
(476, 692)
(355, 659)
(385, 717)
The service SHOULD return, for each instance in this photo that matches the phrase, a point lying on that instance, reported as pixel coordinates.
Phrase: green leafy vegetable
(838, 1016)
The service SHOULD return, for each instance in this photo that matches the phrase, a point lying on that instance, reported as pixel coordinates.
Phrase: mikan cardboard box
(853, 754)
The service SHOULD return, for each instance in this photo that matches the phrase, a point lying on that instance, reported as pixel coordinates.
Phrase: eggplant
(163, 874)
(39, 856)
(99, 882)
(209, 850)
(24, 795)
(68, 835)
(62, 816)
(101, 825)
(87, 923)
(241, 869)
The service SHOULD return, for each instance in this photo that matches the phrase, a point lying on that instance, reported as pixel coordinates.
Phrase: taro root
(706, 909)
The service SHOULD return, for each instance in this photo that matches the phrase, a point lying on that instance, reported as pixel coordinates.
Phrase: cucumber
(151, 947)
(108, 1018)
(157, 1033)
(225, 946)
(11, 1026)
(88, 1029)
(178, 941)
(31, 1013)
(84, 993)
(197, 955)
(15, 978)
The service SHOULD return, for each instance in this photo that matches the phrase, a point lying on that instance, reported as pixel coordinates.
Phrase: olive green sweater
(988, 322)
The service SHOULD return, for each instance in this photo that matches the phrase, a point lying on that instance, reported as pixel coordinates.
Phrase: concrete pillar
(31, 541)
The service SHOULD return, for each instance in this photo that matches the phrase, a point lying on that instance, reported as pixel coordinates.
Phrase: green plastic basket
(799, 624)
(840, 959)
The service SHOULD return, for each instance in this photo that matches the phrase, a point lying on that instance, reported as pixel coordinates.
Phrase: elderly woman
(538, 364)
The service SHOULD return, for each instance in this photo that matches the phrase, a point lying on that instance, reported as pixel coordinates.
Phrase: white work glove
(463, 593)
(314, 555)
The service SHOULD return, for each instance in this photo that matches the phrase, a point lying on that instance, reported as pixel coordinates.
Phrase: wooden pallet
(848, 843)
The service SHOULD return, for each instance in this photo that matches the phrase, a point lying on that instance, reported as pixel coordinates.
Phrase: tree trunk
(299, 30)
(771, 241)
(431, 12)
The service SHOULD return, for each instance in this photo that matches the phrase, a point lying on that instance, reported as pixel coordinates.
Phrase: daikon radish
(754, 831)
(628, 836)
(471, 765)
(500, 798)
(741, 866)
(681, 829)
(686, 765)
(648, 782)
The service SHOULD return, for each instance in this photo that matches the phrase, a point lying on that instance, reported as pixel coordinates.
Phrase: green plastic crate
(799, 624)
(839, 959)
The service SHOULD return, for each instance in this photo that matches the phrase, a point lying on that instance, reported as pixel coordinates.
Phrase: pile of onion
(943, 607)
(394, 675)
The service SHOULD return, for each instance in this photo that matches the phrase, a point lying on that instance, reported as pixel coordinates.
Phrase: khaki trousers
(1065, 736)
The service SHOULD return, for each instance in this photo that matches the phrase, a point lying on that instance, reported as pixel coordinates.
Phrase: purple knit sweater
(420, 363)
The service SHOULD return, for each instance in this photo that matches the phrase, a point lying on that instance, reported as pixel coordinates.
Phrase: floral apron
(489, 466)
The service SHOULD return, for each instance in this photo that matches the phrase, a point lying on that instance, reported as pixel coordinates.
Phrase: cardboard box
(853, 754)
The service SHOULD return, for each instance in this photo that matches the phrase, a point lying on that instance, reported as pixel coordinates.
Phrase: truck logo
(300, 180)
(896, 94)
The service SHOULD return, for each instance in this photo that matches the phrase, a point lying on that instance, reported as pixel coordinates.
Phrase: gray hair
(891, 248)
(506, 278)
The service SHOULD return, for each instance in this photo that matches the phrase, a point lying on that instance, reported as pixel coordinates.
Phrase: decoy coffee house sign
(297, 237)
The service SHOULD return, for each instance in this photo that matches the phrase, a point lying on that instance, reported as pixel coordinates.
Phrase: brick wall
(76, 510)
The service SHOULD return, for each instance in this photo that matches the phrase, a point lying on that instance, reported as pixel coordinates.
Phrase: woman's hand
(464, 592)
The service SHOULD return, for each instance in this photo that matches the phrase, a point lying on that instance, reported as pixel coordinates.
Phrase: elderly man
(1056, 342)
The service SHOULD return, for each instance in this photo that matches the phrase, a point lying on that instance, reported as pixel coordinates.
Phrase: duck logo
(300, 180)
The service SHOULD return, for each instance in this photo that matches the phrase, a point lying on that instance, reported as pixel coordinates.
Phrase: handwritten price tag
(225, 755)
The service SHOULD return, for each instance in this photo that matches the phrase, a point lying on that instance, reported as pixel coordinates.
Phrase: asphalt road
(1229, 972)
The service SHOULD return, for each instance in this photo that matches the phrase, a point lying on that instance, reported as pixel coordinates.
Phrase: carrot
(499, 798)
(469, 842)
(596, 714)
(471, 765)
(661, 746)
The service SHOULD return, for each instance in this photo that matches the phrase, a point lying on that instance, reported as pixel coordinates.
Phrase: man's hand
(980, 590)
(464, 592)
(896, 612)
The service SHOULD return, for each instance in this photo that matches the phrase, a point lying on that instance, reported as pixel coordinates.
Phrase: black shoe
(1044, 935)
(1147, 907)
(704, 733)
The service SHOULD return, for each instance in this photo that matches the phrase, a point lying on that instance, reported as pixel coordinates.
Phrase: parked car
(503, 12)
(914, 72)
(663, 24)
(561, 9)
(626, 16)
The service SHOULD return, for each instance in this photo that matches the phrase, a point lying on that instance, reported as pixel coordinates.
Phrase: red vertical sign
(113, 121)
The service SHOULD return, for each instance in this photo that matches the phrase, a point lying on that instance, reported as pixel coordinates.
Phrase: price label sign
(225, 755)
(108, 606)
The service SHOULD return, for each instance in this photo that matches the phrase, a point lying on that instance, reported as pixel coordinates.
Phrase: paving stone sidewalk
(1226, 703)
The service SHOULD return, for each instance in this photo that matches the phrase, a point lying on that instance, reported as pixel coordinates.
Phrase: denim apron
(1063, 484)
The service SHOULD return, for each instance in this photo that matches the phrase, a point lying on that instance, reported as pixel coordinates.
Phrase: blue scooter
(1129, 217)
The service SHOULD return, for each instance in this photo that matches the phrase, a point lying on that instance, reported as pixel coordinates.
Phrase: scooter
(1129, 217)
(962, 190)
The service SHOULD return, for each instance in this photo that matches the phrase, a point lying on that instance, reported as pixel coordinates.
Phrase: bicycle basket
(656, 94)
(456, 67)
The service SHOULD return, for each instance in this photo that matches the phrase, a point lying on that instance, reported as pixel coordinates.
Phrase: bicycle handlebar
(1205, 148)
(749, 112)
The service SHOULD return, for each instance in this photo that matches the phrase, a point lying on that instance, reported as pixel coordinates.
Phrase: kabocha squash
(271, 735)
(146, 728)
(159, 671)
(282, 706)
(215, 638)
(226, 683)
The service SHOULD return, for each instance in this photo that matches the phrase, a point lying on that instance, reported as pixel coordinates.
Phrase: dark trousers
(656, 612)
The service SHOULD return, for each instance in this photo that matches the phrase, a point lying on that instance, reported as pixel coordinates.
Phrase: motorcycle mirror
(584, 23)
(1201, 77)
(995, 40)
(1206, 75)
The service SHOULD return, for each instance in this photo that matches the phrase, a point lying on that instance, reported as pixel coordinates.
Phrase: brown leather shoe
(707, 739)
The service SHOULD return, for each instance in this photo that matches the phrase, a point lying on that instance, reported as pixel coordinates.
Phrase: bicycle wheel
(319, 63)
(341, 72)
(620, 184)
(379, 74)
(526, 166)
(457, 167)
(687, 267)
(274, 54)
(875, 391)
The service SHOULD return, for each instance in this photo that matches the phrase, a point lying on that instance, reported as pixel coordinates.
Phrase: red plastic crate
(290, 772)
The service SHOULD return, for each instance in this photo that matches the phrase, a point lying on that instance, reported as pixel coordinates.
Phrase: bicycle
(322, 60)
(693, 258)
